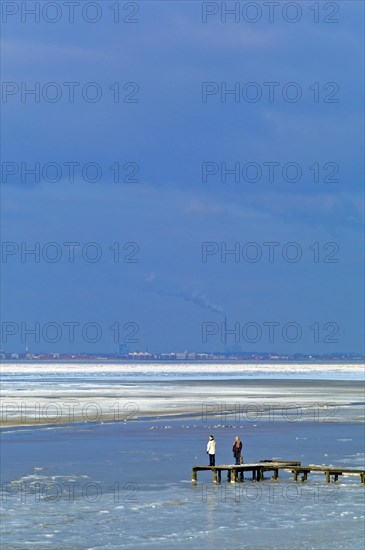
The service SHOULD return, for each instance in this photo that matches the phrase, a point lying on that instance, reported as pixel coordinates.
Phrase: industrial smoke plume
(167, 289)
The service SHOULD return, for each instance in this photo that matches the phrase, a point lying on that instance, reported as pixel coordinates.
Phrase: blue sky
(169, 212)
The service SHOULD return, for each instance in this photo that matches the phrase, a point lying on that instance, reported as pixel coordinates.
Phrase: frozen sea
(100, 456)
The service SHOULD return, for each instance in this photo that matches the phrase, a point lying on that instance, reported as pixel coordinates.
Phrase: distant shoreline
(182, 361)
(183, 368)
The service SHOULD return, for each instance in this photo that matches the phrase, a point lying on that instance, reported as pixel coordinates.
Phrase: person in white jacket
(211, 450)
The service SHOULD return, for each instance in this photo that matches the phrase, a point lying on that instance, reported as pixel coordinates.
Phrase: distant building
(167, 356)
(123, 349)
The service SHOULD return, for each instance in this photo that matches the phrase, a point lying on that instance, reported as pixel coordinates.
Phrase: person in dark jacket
(237, 449)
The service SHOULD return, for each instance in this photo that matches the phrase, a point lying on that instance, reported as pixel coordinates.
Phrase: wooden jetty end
(328, 471)
(236, 472)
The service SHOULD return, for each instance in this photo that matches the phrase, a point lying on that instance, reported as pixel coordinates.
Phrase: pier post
(276, 474)
(214, 476)
(295, 473)
(219, 476)
(228, 475)
(304, 476)
(328, 477)
(194, 476)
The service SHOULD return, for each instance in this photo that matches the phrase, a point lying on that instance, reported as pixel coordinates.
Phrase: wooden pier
(328, 471)
(236, 473)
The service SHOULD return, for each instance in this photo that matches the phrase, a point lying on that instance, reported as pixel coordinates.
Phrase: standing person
(236, 449)
(211, 450)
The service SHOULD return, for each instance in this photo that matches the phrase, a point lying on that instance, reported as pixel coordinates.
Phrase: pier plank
(258, 470)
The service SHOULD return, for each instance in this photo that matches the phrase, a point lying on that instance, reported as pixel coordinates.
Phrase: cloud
(218, 36)
(25, 51)
(200, 206)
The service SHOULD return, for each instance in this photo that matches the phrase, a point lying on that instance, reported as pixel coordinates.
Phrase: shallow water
(127, 484)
